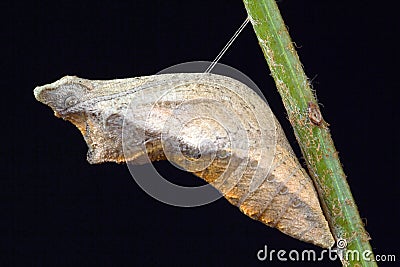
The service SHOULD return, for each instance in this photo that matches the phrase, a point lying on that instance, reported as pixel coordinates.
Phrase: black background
(57, 210)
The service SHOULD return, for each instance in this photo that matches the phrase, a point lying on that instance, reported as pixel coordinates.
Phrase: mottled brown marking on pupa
(285, 199)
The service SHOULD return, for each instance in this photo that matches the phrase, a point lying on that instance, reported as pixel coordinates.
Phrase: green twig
(310, 129)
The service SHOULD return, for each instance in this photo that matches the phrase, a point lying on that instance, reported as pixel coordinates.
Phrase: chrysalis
(211, 125)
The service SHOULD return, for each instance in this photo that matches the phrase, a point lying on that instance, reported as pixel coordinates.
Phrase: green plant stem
(313, 137)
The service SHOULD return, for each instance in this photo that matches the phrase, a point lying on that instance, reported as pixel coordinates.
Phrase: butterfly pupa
(211, 125)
